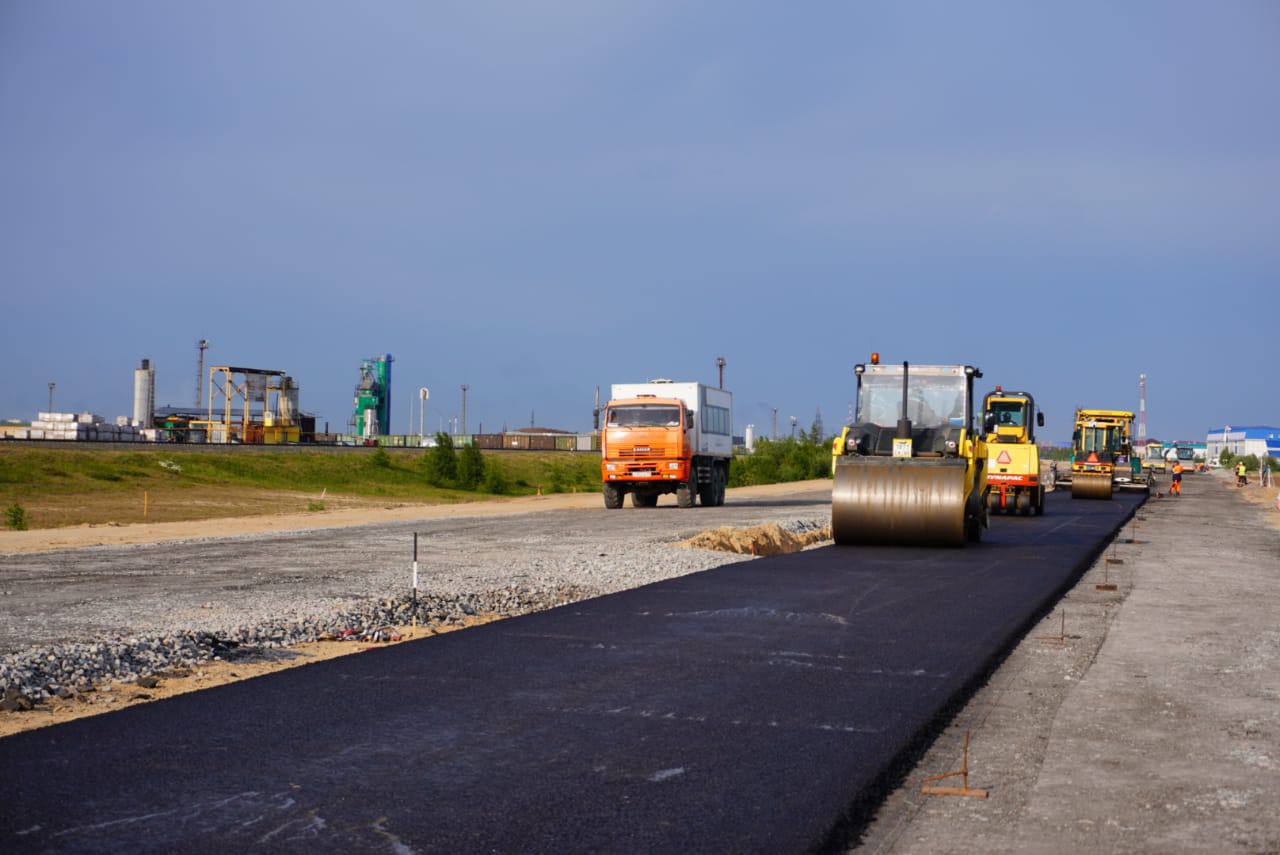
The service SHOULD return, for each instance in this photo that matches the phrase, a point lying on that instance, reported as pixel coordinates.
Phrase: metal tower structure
(720, 364)
(1142, 409)
(465, 387)
(202, 345)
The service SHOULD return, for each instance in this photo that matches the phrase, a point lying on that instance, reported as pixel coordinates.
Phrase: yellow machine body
(1100, 443)
(910, 469)
(1013, 459)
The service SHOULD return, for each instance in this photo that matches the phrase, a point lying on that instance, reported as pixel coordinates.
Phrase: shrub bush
(15, 517)
(470, 467)
(441, 462)
(775, 461)
(494, 481)
(380, 458)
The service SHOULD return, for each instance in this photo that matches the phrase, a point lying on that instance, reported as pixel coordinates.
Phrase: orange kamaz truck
(664, 437)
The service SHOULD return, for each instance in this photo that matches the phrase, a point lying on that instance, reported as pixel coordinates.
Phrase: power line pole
(1142, 410)
(720, 363)
(465, 387)
(773, 430)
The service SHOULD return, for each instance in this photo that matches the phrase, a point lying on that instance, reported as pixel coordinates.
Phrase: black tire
(722, 484)
(613, 496)
(993, 502)
(644, 500)
(1038, 509)
(1023, 503)
(707, 491)
(975, 520)
(687, 493)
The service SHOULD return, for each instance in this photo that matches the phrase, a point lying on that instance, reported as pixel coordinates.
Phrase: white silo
(144, 395)
(749, 438)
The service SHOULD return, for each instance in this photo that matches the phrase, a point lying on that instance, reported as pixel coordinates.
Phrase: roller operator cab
(910, 469)
(1013, 461)
(663, 437)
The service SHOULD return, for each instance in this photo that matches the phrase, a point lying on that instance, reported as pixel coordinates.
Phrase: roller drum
(1085, 485)
(905, 502)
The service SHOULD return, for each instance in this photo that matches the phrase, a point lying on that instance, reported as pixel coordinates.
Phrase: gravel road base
(82, 616)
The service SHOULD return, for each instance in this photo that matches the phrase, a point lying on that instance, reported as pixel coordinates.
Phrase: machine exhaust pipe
(904, 423)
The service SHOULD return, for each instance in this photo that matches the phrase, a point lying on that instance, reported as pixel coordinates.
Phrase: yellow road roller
(1013, 461)
(1101, 453)
(909, 470)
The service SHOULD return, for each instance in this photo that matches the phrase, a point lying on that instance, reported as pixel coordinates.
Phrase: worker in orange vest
(1175, 489)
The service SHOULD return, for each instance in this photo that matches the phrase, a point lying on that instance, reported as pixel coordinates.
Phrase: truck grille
(649, 452)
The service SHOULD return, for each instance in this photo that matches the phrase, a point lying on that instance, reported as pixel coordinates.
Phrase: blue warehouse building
(1243, 440)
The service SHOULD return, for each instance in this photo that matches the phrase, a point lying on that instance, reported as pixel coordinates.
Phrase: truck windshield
(644, 415)
(932, 402)
(1007, 413)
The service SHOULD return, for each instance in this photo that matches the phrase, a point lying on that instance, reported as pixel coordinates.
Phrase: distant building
(1243, 440)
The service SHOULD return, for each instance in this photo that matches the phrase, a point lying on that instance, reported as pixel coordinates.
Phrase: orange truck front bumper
(644, 470)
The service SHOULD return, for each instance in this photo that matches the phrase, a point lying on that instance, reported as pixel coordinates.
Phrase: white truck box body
(712, 411)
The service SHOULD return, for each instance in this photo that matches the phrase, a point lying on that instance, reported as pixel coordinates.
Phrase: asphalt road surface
(741, 709)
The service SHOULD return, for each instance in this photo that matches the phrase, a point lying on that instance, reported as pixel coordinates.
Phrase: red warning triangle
(1004, 457)
(1093, 457)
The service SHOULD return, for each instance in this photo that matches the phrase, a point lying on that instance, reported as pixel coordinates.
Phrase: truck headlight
(610, 467)
(951, 446)
(673, 465)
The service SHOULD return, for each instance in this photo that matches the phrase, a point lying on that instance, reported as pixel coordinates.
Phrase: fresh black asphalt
(742, 709)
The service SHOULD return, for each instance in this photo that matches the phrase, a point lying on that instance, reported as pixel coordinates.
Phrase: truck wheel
(687, 493)
(722, 484)
(644, 500)
(1039, 505)
(707, 491)
(613, 496)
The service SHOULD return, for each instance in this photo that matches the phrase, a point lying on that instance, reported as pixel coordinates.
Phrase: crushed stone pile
(37, 674)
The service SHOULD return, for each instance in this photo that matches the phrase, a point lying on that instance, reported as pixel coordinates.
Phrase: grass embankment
(76, 486)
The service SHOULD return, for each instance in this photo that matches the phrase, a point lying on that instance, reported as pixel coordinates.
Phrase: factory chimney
(144, 395)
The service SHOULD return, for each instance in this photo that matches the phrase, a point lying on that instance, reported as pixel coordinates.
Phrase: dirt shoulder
(46, 540)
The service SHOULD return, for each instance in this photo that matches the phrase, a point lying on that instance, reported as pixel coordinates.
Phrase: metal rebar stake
(963, 774)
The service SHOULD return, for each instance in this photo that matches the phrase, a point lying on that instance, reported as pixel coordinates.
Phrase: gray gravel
(72, 619)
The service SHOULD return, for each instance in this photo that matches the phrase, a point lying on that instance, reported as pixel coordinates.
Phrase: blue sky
(535, 198)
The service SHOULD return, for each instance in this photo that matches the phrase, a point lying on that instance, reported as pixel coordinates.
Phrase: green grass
(50, 472)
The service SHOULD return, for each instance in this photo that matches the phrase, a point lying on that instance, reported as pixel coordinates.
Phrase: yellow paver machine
(910, 469)
(1013, 460)
(1102, 457)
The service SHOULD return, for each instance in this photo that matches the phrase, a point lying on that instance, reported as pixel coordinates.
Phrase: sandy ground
(762, 540)
(45, 540)
(114, 696)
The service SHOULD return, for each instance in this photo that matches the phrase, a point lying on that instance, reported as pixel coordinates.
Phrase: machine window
(1007, 413)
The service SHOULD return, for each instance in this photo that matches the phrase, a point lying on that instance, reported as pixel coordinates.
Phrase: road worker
(1241, 478)
(1175, 489)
